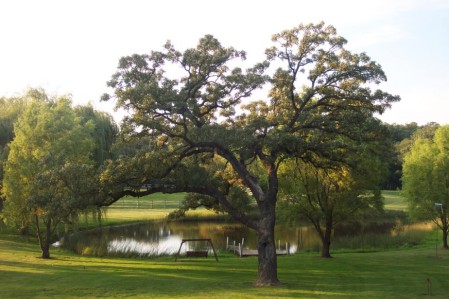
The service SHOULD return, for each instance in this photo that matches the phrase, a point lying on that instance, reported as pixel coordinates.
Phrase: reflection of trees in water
(157, 238)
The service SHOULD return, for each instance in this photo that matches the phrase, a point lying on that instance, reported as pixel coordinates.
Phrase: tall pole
(439, 210)
(436, 243)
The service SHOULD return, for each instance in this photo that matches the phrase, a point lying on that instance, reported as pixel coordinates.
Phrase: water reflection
(156, 239)
(165, 246)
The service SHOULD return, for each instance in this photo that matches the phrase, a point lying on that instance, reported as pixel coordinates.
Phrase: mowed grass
(414, 272)
(154, 206)
(151, 207)
(394, 200)
(390, 274)
(158, 206)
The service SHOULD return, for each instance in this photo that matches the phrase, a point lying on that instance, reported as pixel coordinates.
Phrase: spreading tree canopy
(208, 136)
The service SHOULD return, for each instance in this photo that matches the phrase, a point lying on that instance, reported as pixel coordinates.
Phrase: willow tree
(105, 131)
(49, 169)
(426, 179)
(197, 104)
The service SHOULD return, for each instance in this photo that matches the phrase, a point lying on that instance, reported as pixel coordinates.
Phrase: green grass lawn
(394, 200)
(151, 207)
(158, 206)
(399, 273)
(390, 274)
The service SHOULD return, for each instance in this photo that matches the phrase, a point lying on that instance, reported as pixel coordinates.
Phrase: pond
(160, 238)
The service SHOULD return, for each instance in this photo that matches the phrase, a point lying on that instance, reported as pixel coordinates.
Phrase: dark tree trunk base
(267, 284)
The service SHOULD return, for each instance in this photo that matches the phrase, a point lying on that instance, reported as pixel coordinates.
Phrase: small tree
(426, 179)
(48, 170)
(329, 194)
(10, 109)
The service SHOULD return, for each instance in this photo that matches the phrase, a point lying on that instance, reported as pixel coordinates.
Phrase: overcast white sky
(73, 46)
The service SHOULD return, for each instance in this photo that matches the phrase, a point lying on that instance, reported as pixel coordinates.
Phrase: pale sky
(73, 46)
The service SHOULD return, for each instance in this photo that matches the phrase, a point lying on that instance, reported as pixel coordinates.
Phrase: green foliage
(10, 109)
(320, 103)
(105, 131)
(49, 170)
(328, 196)
(237, 196)
(426, 177)
(401, 138)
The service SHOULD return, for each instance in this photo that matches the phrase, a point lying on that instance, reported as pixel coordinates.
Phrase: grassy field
(394, 200)
(401, 273)
(390, 274)
(158, 206)
(150, 207)
(154, 206)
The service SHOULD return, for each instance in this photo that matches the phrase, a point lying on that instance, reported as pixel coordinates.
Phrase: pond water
(158, 238)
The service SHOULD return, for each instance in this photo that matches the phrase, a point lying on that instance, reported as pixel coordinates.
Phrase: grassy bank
(391, 274)
(398, 273)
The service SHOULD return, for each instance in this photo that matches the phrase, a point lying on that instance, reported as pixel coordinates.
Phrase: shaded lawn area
(391, 274)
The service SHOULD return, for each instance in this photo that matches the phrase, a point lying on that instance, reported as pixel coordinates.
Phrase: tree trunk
(444, 228)
(267, 249)
(44, 241)
(445, 231)
(326, 240)
(45, 248)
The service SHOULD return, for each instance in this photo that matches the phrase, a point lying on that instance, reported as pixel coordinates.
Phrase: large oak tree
(210, 137)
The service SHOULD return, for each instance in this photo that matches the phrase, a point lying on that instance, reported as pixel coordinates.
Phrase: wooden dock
(244, 252)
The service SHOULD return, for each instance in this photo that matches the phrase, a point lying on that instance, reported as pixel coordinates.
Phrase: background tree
(318, 92)
(327, 194)
(105, 131)
(396, 136)
(10, 109)
(401, 138)
(426, 179)
(49, 169)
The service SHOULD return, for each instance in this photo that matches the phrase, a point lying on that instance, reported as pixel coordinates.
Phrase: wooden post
(227, 243)
(213, 249)
(240, 250)
(287, 248)
(179, 250)
(243, 241)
